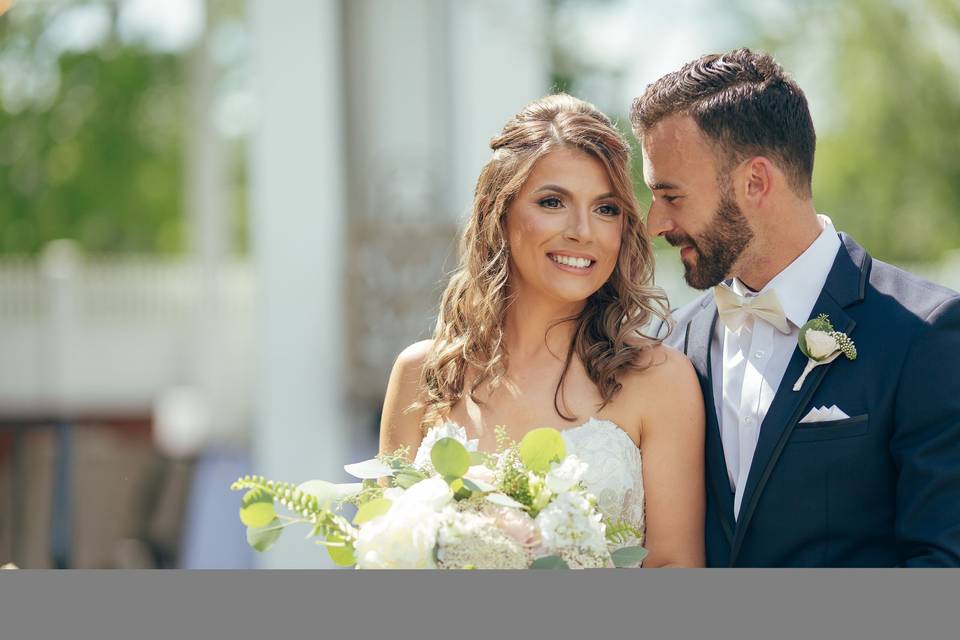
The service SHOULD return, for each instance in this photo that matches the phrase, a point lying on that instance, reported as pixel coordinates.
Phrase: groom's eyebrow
(663, 185)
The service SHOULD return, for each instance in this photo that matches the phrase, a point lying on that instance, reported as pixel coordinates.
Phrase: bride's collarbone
(521, 405)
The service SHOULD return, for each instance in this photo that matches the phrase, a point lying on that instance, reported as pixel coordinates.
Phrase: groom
(860, 466)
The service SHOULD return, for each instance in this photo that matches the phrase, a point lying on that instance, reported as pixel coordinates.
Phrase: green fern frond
(304, 505)
(619, 532)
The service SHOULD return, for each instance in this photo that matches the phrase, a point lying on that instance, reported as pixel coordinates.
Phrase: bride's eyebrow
(553, 187)
(559, 189)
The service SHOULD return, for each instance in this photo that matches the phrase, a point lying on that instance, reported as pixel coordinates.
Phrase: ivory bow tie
(734, 308)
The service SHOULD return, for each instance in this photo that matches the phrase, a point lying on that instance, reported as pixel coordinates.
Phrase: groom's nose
(658, 222)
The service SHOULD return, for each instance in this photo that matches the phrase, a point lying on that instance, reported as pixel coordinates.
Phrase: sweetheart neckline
(590, 421)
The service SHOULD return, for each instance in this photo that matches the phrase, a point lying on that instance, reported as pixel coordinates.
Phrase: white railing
(110, 335)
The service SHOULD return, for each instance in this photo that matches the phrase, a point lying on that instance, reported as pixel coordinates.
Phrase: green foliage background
(100, 157)
(100, 160)
(888, 158)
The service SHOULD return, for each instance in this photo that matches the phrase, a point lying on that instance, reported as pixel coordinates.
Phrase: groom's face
(694, 206)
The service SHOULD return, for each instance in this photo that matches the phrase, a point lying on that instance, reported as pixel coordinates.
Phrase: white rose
(432, 494)
(566, 474)
(480, 473)
(820, 344)
(399, 539)
(393, 493)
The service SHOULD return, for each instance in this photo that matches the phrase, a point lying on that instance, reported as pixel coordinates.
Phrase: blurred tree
(888, 149)
(97, 157)
(92, 128)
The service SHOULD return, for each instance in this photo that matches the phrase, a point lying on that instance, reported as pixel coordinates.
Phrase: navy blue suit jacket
(879, 489)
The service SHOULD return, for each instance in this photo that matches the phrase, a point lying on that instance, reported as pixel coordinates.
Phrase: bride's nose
(578, 226)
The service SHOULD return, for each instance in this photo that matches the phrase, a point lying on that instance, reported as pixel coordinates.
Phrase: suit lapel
(697, 344)
(844, 286)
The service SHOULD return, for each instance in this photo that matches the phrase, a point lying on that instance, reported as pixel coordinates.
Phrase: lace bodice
(614, 473)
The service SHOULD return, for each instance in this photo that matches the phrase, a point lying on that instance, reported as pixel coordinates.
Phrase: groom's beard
(717, 248)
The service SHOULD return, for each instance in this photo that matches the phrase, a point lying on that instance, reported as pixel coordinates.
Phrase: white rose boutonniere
(822, 345)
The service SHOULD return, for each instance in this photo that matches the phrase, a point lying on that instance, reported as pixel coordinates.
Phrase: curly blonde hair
(469, 331)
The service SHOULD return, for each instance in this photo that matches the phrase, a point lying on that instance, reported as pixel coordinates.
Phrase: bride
(540, 326)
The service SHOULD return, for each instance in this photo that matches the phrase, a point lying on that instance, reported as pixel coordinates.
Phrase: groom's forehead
(673, 144)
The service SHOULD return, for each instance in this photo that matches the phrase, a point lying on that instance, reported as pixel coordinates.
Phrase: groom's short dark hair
(745, 103)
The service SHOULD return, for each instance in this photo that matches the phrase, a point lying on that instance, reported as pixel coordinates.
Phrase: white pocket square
(824, 414)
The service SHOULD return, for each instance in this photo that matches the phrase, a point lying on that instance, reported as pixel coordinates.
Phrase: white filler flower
(563, 476)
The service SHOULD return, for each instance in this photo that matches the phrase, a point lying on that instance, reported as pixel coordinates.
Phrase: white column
(205, 182)
(499, 62)
(297, 202)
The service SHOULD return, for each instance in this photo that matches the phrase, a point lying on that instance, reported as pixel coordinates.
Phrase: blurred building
(373, 119)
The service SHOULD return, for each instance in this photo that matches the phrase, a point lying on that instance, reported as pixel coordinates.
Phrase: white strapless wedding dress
(615, 470)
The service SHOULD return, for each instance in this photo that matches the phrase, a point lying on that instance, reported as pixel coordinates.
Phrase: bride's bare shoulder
(664, 387)
(399, 425)
(660, 364)
(414, 356)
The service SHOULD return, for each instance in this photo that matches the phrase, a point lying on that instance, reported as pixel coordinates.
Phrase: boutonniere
(822, 345)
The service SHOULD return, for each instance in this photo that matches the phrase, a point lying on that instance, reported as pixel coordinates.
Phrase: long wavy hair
(469, 334)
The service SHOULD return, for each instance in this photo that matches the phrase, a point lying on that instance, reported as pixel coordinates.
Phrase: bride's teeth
(580, 263)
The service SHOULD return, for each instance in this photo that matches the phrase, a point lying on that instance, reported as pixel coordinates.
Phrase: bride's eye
(608, 210)
(551, 203)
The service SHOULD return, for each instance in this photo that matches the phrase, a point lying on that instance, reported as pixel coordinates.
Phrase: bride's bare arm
(672, 441)
(399, 427)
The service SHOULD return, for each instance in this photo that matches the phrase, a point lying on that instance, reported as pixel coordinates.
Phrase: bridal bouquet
(451, 508)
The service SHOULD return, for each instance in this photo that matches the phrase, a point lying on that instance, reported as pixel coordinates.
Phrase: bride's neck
(537, 328)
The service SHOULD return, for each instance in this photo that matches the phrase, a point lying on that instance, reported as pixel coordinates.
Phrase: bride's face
(564, 228)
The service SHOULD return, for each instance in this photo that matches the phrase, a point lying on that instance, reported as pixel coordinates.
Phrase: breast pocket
(831, 430)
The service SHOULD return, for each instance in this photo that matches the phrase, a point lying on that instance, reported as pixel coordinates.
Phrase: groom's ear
(758, 179)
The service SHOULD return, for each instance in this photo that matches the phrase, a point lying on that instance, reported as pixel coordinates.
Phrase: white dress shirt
(754, 358)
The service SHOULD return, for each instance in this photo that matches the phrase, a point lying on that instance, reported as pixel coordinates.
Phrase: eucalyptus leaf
(368, 469)
(503, 500)
(628, 556)
(256, 509)
(262, 538)
(802, 338)
(549, 562)
(540, 447)
(340, 552)
(477, 457)
(406, 478)
(478, 486)
(372, 509)
(449, 457)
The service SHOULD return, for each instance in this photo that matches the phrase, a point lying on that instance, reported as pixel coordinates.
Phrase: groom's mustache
(678, 239)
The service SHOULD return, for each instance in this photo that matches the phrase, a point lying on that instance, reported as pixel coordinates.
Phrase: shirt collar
(798, 286)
